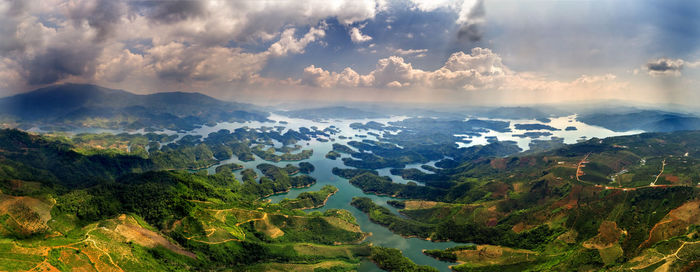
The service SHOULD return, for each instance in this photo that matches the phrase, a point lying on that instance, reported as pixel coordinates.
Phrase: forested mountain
(83, 105)
(646, 120)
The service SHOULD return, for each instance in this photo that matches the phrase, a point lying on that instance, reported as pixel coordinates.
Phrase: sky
(464, 52)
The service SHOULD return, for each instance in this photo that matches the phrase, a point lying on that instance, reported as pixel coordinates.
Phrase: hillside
(630, 202)
(132, 220)
(620, 203)
(646, 120)
(82, 105)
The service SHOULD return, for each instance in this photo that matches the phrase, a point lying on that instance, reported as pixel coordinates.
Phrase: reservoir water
(381, 236)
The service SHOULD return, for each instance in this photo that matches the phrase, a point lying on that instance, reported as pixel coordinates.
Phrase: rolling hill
(647, 120)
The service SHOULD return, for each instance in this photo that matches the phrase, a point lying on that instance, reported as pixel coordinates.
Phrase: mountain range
(83, 105)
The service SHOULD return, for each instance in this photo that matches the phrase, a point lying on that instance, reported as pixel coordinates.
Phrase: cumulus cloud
(357, 37)
(176, 61)
(315, 76)
(59, 62)
(118, 63)
(471, 16)
(288, 44)
(480, 69)
(100, 15)
(170, 11)
(471, 20)
(99, 41)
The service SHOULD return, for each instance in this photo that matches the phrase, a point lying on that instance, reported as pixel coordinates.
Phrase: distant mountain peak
(75, 104)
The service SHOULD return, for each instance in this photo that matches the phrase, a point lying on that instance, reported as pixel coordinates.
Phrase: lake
(381, 236)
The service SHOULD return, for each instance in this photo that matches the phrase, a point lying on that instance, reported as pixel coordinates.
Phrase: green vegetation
(68, 106)
(228, 169)
(309, 200)
(333, 155)
(586, 206)
(385, 217)
(306, 167)
(269, 154)
(137, 220)
(370, 183)
(448, 254)
(391, 259)
(349, 173)
(454, 231)
(339, 148)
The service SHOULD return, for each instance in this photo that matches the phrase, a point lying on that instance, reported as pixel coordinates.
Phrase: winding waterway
(381, 236)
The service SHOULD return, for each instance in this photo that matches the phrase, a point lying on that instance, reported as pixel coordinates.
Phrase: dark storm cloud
(61, 62)
(472, 29)
(102, 16)
(664, 66)
(170, 11)
(10, 20)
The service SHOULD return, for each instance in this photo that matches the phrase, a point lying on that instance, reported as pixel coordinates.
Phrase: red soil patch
(675, 223)
(570, 201)
(608, 235)
(671, 178)
(529, 161)
(498, 189)
(521, 226)
(498, 164)
(492, 222)
(133, 232)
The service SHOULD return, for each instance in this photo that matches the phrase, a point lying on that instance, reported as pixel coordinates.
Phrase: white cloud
(410, 51)
(315, 76)
(288, 44)
(179, 41)
(357, 37)
(119, 63)
(176, 61)
(470, 15)
(480, 69)
(431, 5)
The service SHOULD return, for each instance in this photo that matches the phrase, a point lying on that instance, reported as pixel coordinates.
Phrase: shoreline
(286, 191)
(324, 201)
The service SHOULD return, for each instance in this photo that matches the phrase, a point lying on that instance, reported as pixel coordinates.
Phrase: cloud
(118, 64)
(59, 62)
(109, 41)
(668, 67)
(471, 20)
(288, 44)
(431, 5)
(101, 15)
(405, 52)
(176, 61)
(663, 67)
(357, 37)
(9, 73)
(471, 16)
(314, 76)
(171, 11)
(480, 69)
(19, 31)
